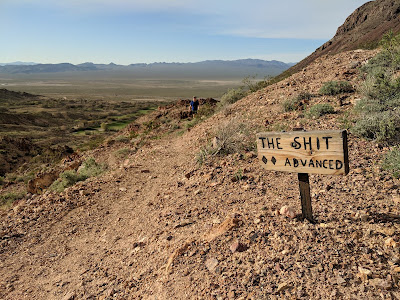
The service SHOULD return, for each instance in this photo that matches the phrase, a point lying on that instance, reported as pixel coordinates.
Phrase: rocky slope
(160, 226)
(364, 28)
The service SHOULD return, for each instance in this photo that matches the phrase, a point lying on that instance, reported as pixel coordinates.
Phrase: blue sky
(134, 31)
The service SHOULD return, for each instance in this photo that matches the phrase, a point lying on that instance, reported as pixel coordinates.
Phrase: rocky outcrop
(364, 28)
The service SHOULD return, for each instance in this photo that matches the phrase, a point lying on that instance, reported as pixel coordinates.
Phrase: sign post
(317, 152)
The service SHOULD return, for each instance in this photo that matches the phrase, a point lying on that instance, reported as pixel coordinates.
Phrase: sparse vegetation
(7, 199)
(297, 103)
(332, 88)
(123, 152)
(232, 96)
(319, 110)
(89, 168)
(290, 104)
(232, 137)
(379, 109)
(392, 162)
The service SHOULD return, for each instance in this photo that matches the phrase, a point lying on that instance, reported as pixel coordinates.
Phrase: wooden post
(305, 195)
(313, 152)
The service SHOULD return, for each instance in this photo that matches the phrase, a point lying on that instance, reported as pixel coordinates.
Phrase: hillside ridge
(364, 28)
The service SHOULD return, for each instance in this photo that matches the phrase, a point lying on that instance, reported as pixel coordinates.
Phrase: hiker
(194, 105)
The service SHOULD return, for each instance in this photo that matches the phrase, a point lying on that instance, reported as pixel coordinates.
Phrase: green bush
(7, 199)
(336, 87)
(379, 126)
(380, 107)
(392, 162)
(291, 104)
(232, 96)
(305, 96)
(319, 110)
(89, 168)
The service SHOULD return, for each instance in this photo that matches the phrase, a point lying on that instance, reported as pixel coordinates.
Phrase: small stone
(246, 187)
(340, 280)
(215, 143)
(282, 287)
(287, 211)
(122, 189)
(231, 295)
(389, 185)
(211, 264)
(197, 192)
(391, 243)
(69, 296)
(257, 221)
(363, 273)
(238, 247)
(381, 283)
(396, 270)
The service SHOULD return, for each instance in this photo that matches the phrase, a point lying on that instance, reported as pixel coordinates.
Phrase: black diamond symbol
(273, 159)
(264, 159)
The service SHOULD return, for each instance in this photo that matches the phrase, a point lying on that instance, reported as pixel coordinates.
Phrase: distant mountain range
(18, 63)
(242, 66)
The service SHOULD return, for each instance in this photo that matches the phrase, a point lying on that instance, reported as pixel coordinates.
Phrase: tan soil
(159, 226)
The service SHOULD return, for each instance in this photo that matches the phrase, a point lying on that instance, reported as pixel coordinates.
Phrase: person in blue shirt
(194, 105)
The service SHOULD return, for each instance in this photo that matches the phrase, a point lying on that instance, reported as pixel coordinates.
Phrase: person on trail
(194, 105)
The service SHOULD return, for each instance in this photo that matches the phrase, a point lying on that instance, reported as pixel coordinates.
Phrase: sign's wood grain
(318, 152)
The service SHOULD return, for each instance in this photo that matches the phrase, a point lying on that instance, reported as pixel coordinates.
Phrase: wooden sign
(318, 152)
(303, 152)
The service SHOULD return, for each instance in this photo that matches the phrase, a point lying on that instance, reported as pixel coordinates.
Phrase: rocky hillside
(158, 225)
(364, 28)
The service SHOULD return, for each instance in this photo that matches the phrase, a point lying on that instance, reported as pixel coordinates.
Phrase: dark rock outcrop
(364, 28)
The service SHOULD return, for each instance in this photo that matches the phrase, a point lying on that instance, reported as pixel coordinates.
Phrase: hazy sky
(133, 31)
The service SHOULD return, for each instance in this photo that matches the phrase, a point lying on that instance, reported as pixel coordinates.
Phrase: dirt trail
(98, 240)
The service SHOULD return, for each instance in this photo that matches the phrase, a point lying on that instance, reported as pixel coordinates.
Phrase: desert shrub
(290, 104)
(319, 110)
(89, 168)
(205, 111)
(379, 109)
(232, 96)
(336, 87)
(7, 199)
(123, 152)
(392, 162)
(304, 96)
(252, 85)
(380, 126)
(204, 154)
(232, 137)
(67, 178)
(388, 59)
(298, 102)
